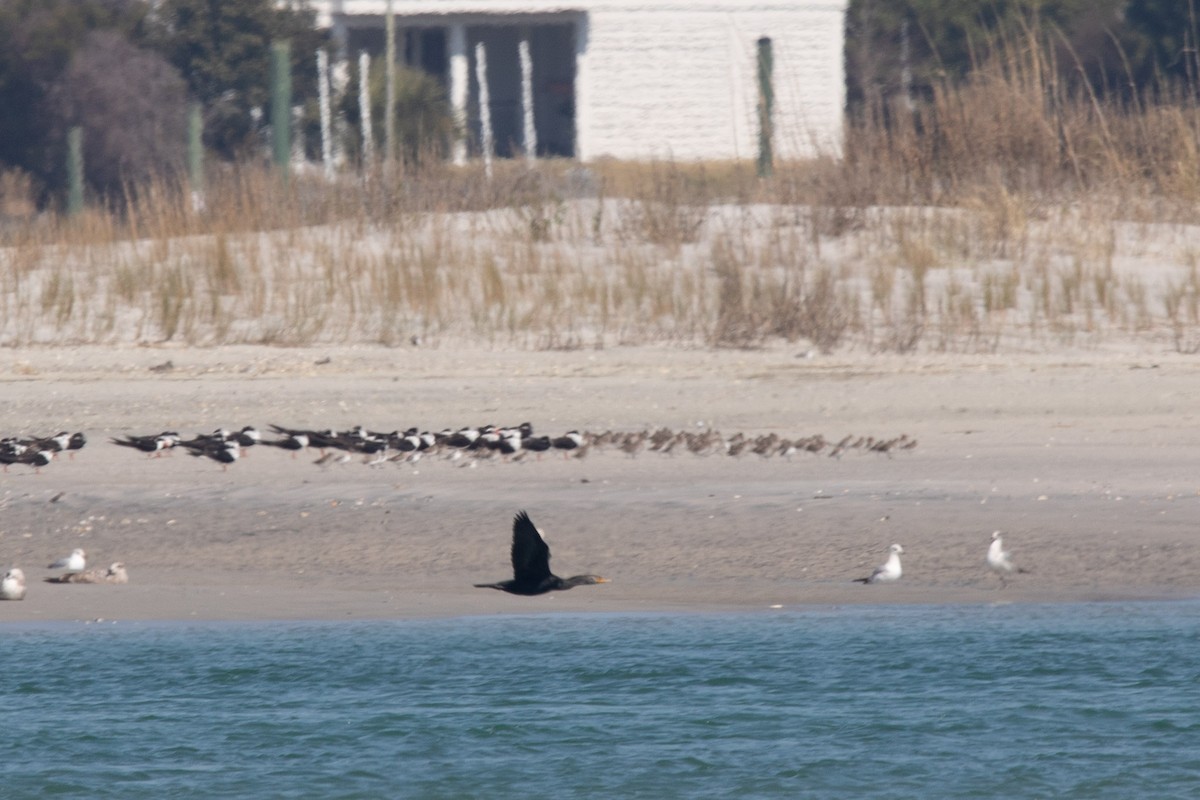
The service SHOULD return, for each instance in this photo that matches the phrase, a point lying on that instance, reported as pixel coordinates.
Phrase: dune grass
(1006, 214)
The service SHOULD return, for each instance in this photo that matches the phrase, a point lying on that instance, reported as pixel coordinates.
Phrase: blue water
(1086, 701)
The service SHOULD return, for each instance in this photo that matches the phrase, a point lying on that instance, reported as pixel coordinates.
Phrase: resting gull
(76, 562)
(13, 585)
(888, 570)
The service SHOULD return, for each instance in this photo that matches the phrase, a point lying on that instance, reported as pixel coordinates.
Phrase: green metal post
(389, 99)
(766, 107)
(195, 150)
(281, 104)
(74, 170)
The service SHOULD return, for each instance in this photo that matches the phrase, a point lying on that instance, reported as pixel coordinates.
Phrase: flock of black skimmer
(495, 443)
(38, 451)
(467, 445)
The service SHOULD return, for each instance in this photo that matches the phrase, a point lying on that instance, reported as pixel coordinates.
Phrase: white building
(632, 80)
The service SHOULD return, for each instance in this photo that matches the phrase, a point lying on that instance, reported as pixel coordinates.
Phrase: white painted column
(339, 79)
(326, 115)
(529, 135)
(583, 129)
(487, 142)
(364, 110)
(456, 46)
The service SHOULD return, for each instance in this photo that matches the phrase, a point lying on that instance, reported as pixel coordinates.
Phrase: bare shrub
(669, 209)
(131, 106)
(736, 324)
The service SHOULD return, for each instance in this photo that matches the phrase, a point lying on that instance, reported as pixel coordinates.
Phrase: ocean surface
(1056, 701)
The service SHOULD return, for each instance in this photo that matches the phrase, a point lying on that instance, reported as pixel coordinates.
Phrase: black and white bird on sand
(531, 564)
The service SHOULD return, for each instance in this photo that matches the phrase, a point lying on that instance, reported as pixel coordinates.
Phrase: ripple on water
(1066, 701)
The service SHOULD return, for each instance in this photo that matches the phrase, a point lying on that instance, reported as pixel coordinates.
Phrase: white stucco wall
(677, 78)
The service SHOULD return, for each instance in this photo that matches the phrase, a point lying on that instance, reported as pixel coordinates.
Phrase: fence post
(195, 155)
(326, 113)
(74, 170)
(766, 107)
(281, 105)
(389, 98)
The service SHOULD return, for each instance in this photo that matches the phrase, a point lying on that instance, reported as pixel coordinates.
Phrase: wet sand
(1085, 463)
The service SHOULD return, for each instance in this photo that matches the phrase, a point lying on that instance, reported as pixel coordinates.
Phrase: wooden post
(74, 170)
(281, 105)
(389, 97)
(195, 156)
(326, 113)
(766, 106)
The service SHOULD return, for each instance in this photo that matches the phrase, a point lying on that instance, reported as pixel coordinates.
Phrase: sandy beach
(1085, 463)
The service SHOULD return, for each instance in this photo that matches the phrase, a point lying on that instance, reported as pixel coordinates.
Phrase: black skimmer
(223, 452)
(16, 453)
(531, 564)
(11, 451)
(567, 442)
(54, 444)
(888, 570)
(464, 437)
(536, 444)
(322, 440)
(150, 445)
(407, 442)
(362, 440)
(76, 442)
(13, 585)
(508, 443)
(291, 441)
(200, 441)
(248, 436)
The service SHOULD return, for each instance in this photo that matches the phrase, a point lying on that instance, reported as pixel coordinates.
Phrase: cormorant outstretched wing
(530, 553)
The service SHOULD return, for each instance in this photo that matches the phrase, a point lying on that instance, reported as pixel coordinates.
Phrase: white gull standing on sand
(13, 585)
(999, 560)
(888, 570)
(76, 562)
